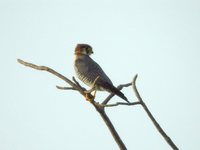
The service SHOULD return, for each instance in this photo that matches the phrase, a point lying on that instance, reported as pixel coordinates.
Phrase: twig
(78, 84)
(65, 88)
(117, 104)
(44, 68)
(93, 86)
(158, 127)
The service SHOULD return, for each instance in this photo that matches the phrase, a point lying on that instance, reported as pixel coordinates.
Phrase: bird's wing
(91, 70)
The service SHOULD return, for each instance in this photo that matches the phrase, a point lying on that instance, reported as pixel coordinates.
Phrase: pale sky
(158, 39)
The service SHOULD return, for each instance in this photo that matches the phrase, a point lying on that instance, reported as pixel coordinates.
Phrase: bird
(91, 74)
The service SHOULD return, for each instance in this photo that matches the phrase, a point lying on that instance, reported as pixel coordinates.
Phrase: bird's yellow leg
(95, 93)
(87, 97)
(90, 90)
(91, 97)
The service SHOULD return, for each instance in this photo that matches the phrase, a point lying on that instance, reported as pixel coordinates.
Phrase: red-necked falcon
(88, 71)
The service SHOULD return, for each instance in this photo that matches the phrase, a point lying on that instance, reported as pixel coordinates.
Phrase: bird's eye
(89, 50)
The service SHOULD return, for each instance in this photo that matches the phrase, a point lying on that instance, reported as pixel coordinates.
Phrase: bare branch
(100, 107)
(117, 104)
(135, 89)
(77, 86)
(95, 80)
(158, 127)
(93, 86)
(44, 68)
(65, 88)
(110, 126)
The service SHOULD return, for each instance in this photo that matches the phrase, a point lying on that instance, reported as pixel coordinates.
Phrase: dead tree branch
(158, 127)
(101, 107)
(65, 88)
(117, 104)
(75, 85)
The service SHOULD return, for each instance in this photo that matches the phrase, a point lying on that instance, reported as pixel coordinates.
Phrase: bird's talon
(89, 98)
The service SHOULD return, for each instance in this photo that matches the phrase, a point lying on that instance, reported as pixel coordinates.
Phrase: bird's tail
(119, 93)
(111, 88)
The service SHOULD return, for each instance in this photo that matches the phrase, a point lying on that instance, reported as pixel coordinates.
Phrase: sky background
(158, 39)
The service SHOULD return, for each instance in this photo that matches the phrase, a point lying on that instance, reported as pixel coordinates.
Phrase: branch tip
(20, 61)
(65, 88)
(135, 78)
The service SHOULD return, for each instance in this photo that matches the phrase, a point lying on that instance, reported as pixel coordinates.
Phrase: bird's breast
(88, 70)
(83, 76)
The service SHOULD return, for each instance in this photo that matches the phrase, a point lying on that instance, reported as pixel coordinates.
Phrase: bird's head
(83, 49)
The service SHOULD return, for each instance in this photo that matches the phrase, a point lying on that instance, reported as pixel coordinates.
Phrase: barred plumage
(88, 70)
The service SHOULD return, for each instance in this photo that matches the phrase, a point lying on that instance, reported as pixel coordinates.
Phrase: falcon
(90, 73)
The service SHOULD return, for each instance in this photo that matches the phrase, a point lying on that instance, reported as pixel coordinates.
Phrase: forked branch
(158, 127)
(101, 107)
